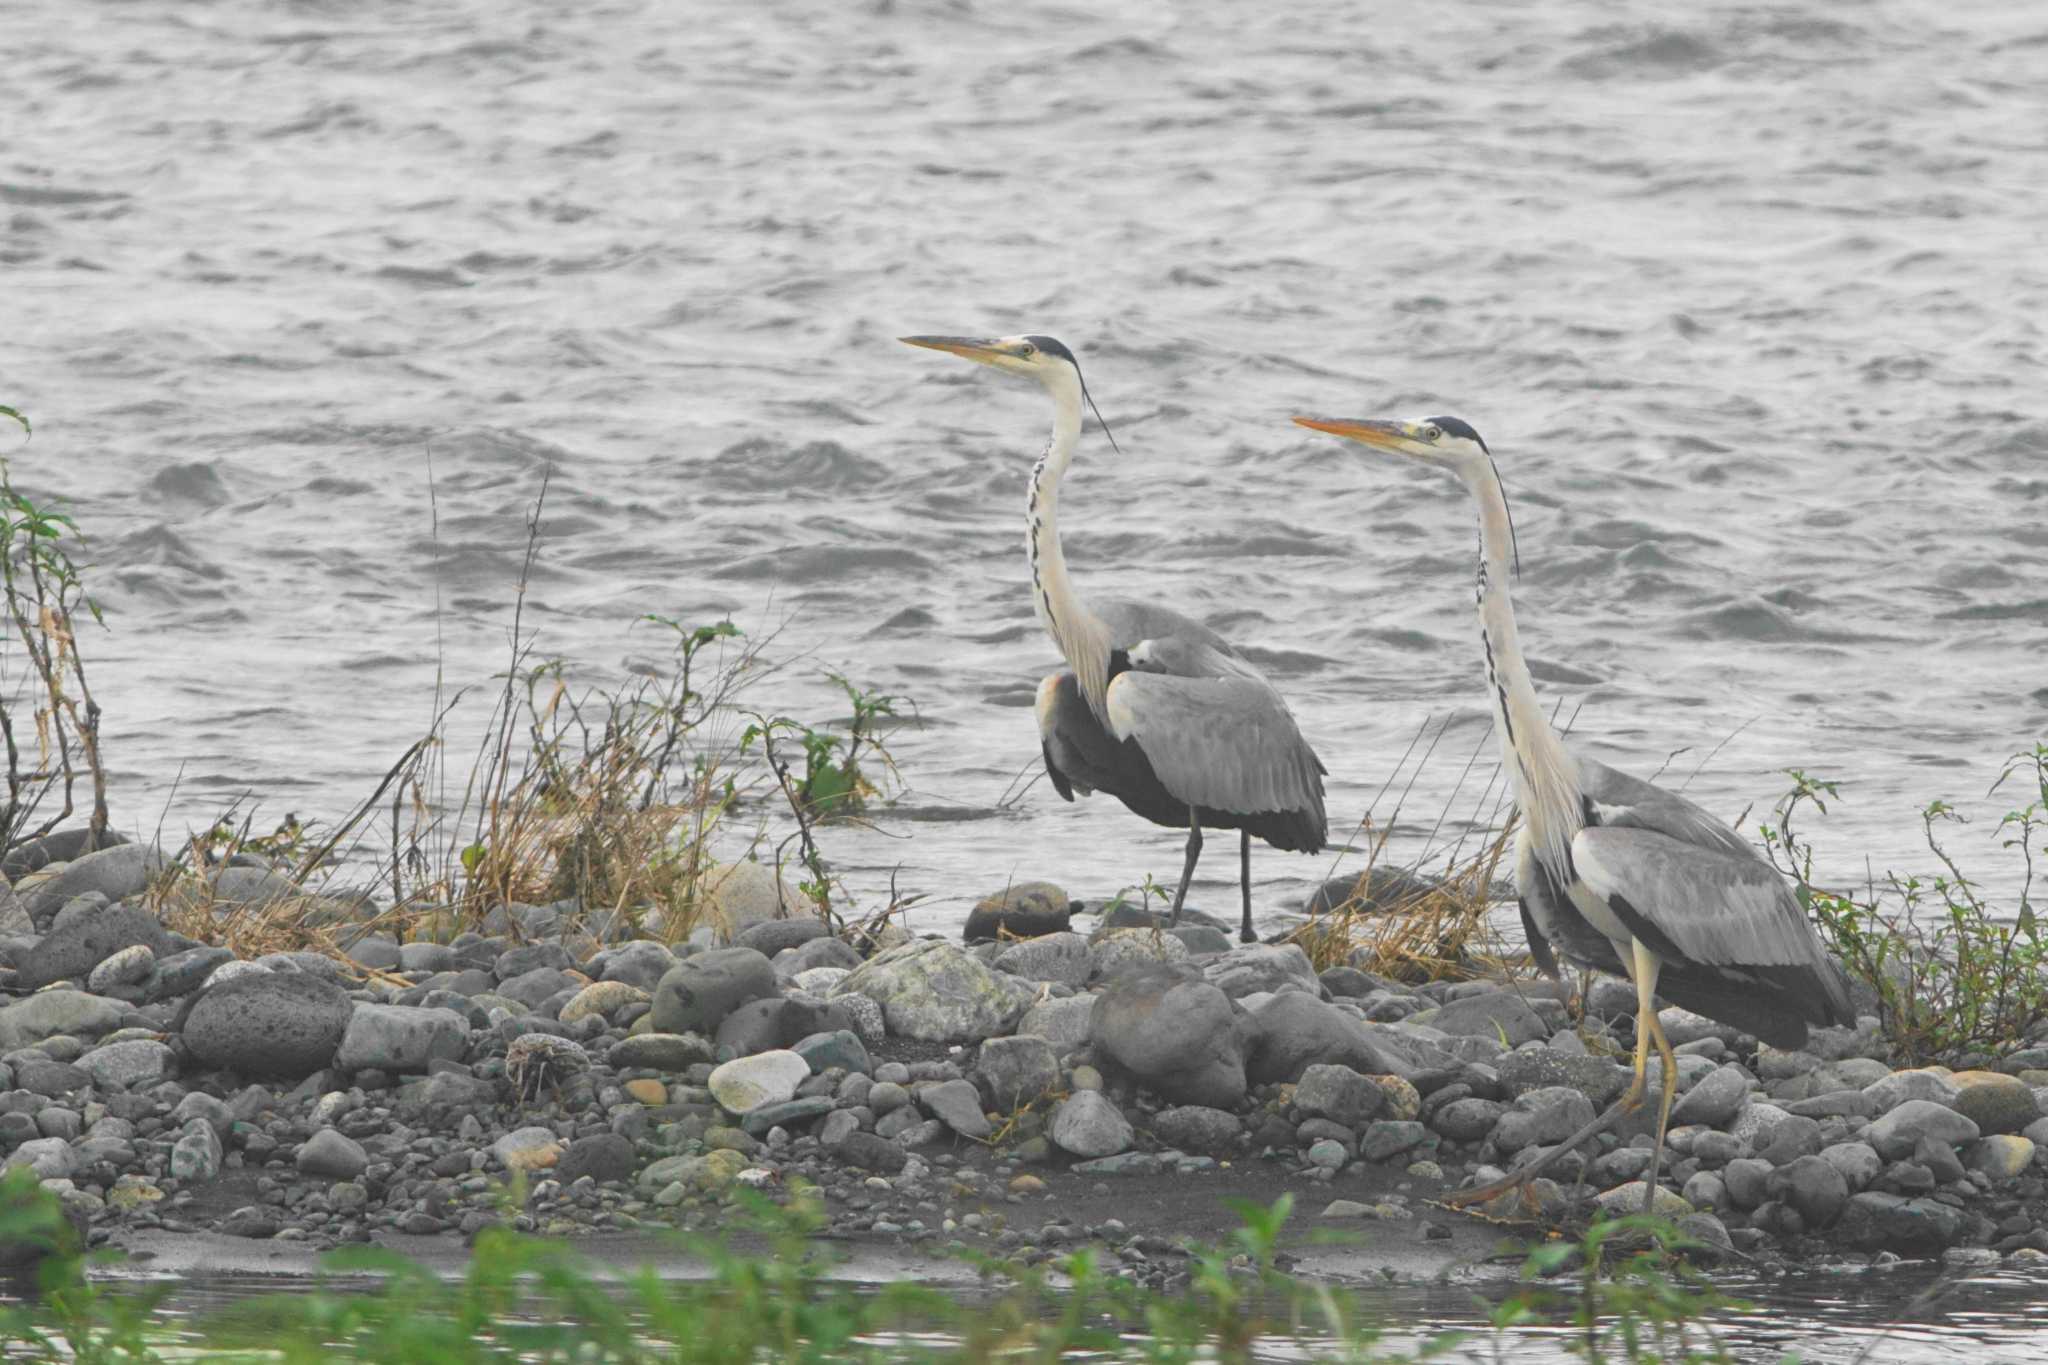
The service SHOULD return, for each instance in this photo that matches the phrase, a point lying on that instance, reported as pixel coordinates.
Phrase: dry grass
(1427, 918)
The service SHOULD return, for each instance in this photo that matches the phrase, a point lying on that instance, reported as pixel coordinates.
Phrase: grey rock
(196, 1156)
(1068, 1025)
(958, 1105)
(426, 957)
(661, 1052)
(838, 1047)
(129, 966)
(1198, 1128)
(1467, 1120)
(330, 1155)
(535, 988)
(771, 936)
(1747, 1180)
(788, 1114)
(1175, 1032)
(1705, 1190)
(1714, 1099)
(269, 1024)
(641, 963)
(819, 952)
(1896, 1132)
(532, 957)
(937, 992)
(1873, 1221)
(1296, 1030)
(50, 1158)
(1202, 940)
(837, 1127)
(1112, 954)
(869, 1152)
(1026, 910)
(1542, 1117)
(1059, 957)
(51, 1014)
(115, 873)
(1088, 1125)
(1339, 1094)
(54, 1080)
(1017, 1071)
(1814, 1186)
(75, 946)
(1858, 1162)
(1995, 1103)
(1387, 1138)
(781, 1022)
(1891, 1091)
(697, 994)
(748, 1083)
(445, 1098)
(376, 952)
(1257, 967)
(400, 1038)
(1503, 1015)
(180, 974)
(121, 1066)
(200, 1105)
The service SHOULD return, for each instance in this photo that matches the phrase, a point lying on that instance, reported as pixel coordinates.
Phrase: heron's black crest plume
(1054, 346)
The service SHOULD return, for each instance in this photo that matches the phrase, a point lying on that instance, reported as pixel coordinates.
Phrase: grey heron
(1153, 708)
(1614, 873)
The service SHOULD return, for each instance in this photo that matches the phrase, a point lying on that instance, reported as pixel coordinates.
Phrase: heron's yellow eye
(1027, 350)
(1432, 433)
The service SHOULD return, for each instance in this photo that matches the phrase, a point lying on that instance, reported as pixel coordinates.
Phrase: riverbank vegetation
(1623, 1291)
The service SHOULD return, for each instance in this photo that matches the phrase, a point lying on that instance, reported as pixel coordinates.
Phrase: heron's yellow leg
(1649, 1030)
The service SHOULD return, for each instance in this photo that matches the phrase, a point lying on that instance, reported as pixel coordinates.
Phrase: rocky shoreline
(1075, 1080)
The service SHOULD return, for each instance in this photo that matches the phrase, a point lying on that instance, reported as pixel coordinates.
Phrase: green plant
(44, 597)
(1636, 1300)
(1954, 979)
(71, 1318)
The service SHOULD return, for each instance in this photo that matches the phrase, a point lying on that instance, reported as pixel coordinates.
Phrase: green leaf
(10, 412)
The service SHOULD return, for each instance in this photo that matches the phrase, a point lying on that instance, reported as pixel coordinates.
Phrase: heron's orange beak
(1395, 436)
(974, 348)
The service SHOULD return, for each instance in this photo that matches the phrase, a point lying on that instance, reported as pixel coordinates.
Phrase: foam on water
(1749, 304)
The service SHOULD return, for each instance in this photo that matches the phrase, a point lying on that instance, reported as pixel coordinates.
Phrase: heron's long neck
(1546, 777)
(1082, 638)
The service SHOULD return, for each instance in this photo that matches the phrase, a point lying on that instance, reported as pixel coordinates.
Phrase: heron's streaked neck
(1082, 638)
(1546, 777)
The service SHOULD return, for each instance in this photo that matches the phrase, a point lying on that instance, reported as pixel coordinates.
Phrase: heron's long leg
(1244, 880)
(1187, 872)
(1630, 1101)
(1648, 1030)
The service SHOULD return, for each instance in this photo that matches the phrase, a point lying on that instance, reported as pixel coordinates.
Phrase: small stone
(661, 1052)
(1018, 1071)
(958, 1105)
(1197, 1128)
(1328, 1155)
(1813, 1185)
(1027, 910)
(1088, 1125)
(329, 1155)
(121, 1066)
(647, 1091)
(869, 1152)
(1715, 1098)
(1626, 1199)
(128, 967)
(602, 998)
(841, 1048)
(936, 991)
(747, 1083)
(2002, 1156)
(1339, 1094)
(697, 994)
(397, 1038)
(1391, 1137)
(1900, 1129)
(1061, 957)
(528, 1149)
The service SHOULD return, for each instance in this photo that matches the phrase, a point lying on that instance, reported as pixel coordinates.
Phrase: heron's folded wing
(1622, 801)
(1223, 742)
(1697, 904)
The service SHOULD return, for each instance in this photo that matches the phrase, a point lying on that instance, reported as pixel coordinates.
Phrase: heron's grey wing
(1188, 657)
(1552, 924)
(1226, 743)
(1621, 801)
(1714, 909)
(1130, 622)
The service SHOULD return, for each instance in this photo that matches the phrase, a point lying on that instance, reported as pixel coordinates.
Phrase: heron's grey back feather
(1620, 800)
(1226, 742)
(1129, 622)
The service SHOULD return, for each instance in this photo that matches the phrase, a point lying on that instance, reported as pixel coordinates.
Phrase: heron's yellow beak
(1398, 437)
(974, 348)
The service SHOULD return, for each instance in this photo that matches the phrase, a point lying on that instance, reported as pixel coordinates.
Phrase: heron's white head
(1447, 442)
(1041, 357)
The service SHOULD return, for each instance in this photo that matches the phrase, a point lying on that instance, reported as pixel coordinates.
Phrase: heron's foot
(1246, 935)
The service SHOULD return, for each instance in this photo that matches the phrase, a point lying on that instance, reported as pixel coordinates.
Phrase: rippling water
(1748, 300)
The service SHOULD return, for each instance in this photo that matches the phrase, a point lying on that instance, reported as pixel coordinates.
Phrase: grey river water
(1749, 300)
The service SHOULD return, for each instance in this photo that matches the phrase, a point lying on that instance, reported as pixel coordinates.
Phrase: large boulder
(285, 1024)
(1995, 1102)
(50, 1013)
(115, 873)
(1027, 910)
(79, 943)
(698, 993)
(1874, 1221)
(1176, 1033)
(938, 992)
(733, 897)
(1296, 1031)
(401, 1038)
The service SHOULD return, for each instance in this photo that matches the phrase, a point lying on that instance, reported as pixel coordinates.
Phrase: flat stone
(1256, 967)
(1526, 1069)
(1061, 957)
(958, 1106)
(840, 1048)
(1388, 1138)
(1874, 1221)
(934, 991)
(787, 1114)
(1896, 1132)
(661, 1052)
(769, 937)
(747, 1083)
(1504, 1015)
(398, 1038)
(121, 1066)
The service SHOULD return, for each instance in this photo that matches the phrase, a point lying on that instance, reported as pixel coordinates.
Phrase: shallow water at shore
(1828, 1316)
(1749, 303)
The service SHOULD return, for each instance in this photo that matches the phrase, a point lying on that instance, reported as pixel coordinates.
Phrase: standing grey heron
(1153, 708)
(1613, 873)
